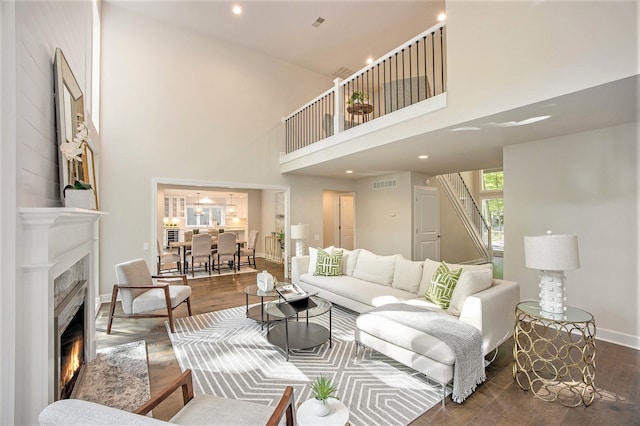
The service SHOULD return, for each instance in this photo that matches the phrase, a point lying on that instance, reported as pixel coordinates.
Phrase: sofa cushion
(470, 282)
(329, 265)
(313, 257)
(374, 268)
(407, 274)
(349, 259)
(356, 289)
(430, 266)
(442, 285)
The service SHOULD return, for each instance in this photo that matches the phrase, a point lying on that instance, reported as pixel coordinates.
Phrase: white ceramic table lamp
(552, 254)
(299, 233)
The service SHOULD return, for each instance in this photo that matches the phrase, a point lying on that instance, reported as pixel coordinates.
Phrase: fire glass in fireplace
(70, 348)
(71, 353)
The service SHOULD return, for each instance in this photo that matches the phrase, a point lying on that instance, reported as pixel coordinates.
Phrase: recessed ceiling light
(465, 129)
(423, 157)
(369, 61)
(349, 171)
(442, 17)
(237, 9)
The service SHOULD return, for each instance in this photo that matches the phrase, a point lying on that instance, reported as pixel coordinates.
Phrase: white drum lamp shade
(552, 255)
(299, 233)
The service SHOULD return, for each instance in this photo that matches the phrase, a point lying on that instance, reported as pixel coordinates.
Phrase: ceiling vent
(385, 184)
(342, 73)
(318, 22)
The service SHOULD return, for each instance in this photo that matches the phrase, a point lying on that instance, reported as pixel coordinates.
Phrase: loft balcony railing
(409, 74)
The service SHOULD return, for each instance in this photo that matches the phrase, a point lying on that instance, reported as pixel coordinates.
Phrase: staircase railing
(468, 211)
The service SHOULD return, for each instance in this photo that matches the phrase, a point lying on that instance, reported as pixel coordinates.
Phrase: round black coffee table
(290, 335)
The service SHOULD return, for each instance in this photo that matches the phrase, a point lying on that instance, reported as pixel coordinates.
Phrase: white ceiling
(283, 29)
(357, 29)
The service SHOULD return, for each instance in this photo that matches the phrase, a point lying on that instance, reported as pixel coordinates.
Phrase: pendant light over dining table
(231, 208)
(198, 210)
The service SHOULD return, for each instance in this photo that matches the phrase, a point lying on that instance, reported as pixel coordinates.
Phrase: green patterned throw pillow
(442, 285)
(329, 265)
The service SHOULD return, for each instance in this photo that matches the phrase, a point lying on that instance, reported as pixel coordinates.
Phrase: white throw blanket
(464, 340)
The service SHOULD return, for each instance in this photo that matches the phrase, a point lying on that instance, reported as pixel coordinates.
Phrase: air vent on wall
(385, 184)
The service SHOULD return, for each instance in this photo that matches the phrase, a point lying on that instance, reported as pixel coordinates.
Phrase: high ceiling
(284, 29)
(354, 30)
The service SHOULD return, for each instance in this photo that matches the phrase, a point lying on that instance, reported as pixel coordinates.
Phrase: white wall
(8, 301)
(41, 28)
(384, 217)
(30, 33)
(584, 184)
(178, 105)
(505, 54)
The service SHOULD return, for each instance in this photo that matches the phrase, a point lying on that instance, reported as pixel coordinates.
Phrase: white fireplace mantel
(53, 239)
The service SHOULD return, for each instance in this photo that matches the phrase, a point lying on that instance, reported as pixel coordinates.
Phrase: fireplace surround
(53, 240)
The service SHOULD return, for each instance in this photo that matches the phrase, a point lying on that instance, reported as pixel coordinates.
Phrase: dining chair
(201, 252)
(250, 249)
(167, 258)
(141, 295)
(227, 250)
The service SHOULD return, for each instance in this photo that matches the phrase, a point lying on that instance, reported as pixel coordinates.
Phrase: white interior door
(427, 223)
(345, 226)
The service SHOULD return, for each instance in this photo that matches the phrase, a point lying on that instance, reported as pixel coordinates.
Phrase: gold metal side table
(554, 354)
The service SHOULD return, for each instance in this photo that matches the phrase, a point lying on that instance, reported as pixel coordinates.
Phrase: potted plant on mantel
(358, 97)
(77, 193)
(322, 389)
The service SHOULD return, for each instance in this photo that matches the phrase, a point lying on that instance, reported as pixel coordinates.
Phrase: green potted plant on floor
(322, 389)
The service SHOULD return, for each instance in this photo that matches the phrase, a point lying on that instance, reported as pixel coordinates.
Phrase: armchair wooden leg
(189, 305)
(112, 308)
(167, 298)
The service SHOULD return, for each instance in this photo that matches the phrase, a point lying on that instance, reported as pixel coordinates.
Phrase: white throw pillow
(313, 257)
(349, 259)
(430, 267)
(374, 268)
(407, 274)
(470, 282)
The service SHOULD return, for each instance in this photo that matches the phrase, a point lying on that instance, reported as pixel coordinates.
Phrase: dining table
(184, 246)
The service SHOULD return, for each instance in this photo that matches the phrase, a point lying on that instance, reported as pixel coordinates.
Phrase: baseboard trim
(615, 337)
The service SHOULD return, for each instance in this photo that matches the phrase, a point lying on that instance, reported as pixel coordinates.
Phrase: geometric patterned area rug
(118, 377)
(230, 356)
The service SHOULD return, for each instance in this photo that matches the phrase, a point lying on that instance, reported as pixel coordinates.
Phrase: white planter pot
(320, 409)
(80, 198)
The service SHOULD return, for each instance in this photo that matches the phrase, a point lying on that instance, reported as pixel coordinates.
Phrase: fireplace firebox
(70, 345)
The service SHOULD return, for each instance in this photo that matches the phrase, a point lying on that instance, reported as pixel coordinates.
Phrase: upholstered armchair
(140, 295)
(197, 410)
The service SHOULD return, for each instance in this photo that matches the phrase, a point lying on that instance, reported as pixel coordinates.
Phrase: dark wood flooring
(498, 401)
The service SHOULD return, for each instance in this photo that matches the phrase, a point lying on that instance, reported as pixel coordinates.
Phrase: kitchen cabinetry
(174, 206)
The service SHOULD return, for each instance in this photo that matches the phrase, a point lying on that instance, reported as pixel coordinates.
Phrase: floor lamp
(299, 233)
(552, 254)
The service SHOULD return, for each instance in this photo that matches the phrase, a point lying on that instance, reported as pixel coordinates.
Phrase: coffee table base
(301, 335)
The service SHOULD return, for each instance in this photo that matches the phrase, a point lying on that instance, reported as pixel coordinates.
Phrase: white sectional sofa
(369, 281)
